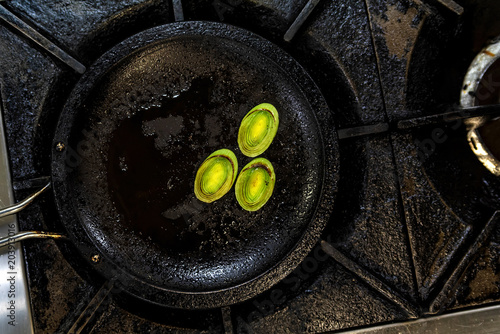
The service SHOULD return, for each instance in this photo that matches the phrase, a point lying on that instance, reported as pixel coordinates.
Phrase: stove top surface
(413, 231)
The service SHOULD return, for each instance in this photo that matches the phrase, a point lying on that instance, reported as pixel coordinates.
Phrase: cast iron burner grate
(414, 228)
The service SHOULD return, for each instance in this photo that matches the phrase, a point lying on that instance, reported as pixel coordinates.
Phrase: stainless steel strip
(480, 321)
(15, 308)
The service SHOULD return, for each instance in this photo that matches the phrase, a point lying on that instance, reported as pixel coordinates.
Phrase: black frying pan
(135, 130)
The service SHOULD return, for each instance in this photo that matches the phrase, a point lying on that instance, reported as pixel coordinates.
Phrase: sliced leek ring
(216, 176)
(258, 129)
(255, 184)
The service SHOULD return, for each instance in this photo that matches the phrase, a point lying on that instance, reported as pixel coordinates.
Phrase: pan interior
(144, 126)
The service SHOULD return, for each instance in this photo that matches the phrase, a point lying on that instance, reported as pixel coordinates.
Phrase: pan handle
(20, 236)
(30, 235)
(10, 210)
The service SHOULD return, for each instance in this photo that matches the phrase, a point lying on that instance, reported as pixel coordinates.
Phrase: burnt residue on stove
(447, 44)
(22, 106)
(461, 180)
(317, 297)
(85, 29)
(480, 283)
(371, 211)
(345, 71)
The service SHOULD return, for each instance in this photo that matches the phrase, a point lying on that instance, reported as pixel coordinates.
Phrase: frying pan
(132, 135)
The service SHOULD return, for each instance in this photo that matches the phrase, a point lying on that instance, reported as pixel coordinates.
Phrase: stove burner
(490, 135)
(482, 87)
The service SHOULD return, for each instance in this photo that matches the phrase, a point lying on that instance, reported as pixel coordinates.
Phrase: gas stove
(412, 237)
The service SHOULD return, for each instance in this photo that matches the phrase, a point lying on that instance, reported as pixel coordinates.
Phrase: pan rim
(329, 148)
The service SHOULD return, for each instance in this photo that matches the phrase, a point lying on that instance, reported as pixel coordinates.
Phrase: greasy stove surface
(413, 231)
